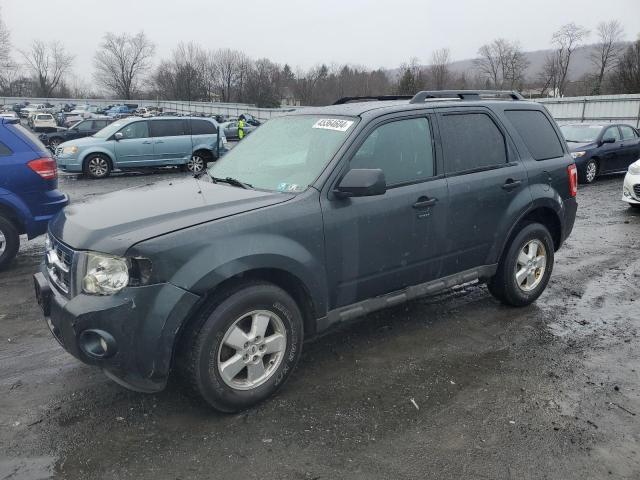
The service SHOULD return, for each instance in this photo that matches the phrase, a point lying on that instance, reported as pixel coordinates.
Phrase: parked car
(28, 188)
(43, 122)
(231, 130)
(599, 149)
(133, 143)
(81, 129)
(118, 110)
(8, 114)
(318, 217)
(250, 119)
(32, 108)
(631, 186)
(145, 112)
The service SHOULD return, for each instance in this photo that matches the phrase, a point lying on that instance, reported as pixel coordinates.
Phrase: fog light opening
(97, 344)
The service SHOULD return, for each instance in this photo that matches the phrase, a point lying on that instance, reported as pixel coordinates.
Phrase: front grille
(636, 190)
(58, 151)
(59, 262)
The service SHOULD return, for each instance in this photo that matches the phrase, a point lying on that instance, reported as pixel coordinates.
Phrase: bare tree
(5, 42)
(48, 64)
(566, 40)
(503, 63)
(626, 76)
(607, 50)
(439, 68)
(122, 62)
(228, 65)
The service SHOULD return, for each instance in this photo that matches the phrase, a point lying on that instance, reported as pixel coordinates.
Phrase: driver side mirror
(608, 140)
(118, 136)
(361, 182)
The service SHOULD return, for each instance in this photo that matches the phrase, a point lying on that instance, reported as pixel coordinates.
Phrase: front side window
(168, 128)
(135, 130)
(287, 153)
(612, 132)
(471, 141)
(401, 149)
(628, 133)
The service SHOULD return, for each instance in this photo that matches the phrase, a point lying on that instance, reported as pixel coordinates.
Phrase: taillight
(45, 167)
(572, 172)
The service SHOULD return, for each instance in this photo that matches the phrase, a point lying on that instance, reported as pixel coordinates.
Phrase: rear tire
(525, 267)
(243, 347)
(97, 166)
(9, 242)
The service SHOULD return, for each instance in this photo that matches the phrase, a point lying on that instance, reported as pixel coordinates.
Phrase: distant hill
(580, 63)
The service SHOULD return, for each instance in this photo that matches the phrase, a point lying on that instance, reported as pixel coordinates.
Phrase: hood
(574, 147)
(114, 222)
(80, 142)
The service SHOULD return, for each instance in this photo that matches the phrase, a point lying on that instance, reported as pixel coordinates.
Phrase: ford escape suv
(318, 217)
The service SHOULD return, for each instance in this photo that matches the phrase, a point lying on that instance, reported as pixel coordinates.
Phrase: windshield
(286, 154)
(581, 133)
(109, 129)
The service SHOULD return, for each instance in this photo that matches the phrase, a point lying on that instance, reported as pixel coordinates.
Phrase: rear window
(4, 150)
(202, 127)
(33, 141)
(471, 141)
(537, 133)
(167, 128)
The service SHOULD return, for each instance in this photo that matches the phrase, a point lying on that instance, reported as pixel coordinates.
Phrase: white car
(43, 122)
(32, 108)
(8, 114)
(631, 187)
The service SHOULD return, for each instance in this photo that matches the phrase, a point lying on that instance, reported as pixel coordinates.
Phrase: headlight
(70, 150)
(105, 274)
(578, 154)
(634, 168)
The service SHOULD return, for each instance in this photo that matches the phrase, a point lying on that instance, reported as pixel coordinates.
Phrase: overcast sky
(380, 33)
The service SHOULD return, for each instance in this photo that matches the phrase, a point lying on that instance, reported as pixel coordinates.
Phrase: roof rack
(372, 98)
(420, 97)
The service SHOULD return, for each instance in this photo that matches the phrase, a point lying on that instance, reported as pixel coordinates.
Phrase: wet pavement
(455, 386)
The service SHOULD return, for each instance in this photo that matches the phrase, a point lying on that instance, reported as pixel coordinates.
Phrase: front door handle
(147, 143)
(511, 184)
(425, 202)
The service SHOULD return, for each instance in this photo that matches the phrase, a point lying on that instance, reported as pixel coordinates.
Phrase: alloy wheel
(98, 167)
(592, 170)
(252, 349)
(531, 265)
(196, 164)
(3, 243)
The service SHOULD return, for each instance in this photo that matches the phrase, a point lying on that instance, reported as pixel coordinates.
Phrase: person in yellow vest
(240, 129)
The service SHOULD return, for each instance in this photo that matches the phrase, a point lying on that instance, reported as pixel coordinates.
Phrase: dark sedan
(84, 128)
(599, 149)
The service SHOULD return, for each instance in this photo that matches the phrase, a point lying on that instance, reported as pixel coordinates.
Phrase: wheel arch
(288, 281)
(103, 153)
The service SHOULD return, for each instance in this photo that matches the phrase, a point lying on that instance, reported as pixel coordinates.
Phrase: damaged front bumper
(131, 335)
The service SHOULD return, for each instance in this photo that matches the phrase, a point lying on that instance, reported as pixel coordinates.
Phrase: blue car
(135, 142)
(599, 149)
(29, 197)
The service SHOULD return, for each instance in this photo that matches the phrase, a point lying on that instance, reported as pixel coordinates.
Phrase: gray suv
(318, 217)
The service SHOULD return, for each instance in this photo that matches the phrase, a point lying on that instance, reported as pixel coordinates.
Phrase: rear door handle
(425, 202)
(510, 184)
(159, 141)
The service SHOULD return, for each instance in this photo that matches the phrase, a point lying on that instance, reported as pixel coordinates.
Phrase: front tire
(590, 172)
(9, 242)
(525, 267)
(246, 347)
(97, 166)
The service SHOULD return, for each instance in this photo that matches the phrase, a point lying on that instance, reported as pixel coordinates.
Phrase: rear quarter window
(537, 133)
(202, 127)
(4, 150)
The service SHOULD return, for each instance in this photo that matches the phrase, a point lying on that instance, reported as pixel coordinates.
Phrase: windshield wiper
(232, 181)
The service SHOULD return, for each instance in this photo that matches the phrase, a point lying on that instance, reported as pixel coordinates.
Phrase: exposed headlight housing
(72, 149)
(578, 154)
(634, 168)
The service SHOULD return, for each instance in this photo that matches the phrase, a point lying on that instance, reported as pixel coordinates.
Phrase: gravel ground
(455, 386)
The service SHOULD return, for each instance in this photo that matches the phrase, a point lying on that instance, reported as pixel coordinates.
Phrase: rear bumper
(50, 203)
(142, 323)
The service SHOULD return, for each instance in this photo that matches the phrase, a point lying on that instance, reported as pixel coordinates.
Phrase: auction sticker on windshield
(333, 124)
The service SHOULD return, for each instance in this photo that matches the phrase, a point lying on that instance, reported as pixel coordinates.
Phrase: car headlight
(70, 150)
(578, 154)
(105, 274)
(634, 168)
